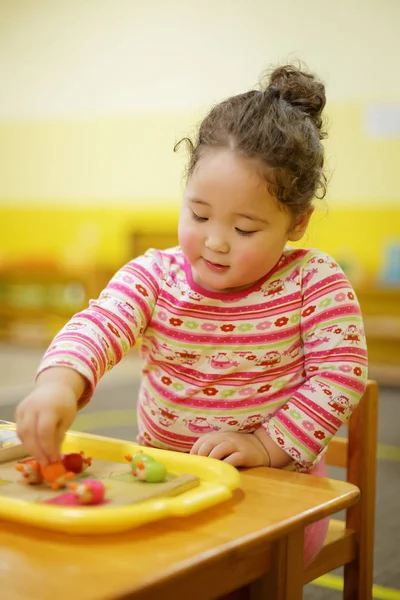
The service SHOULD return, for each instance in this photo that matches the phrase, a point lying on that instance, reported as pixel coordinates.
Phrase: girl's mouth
(215, 266)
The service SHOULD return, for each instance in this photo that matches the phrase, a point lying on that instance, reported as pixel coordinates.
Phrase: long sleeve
(97, 338)
(335, 363)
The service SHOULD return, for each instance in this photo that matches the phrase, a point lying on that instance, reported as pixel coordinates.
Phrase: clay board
(121, 486)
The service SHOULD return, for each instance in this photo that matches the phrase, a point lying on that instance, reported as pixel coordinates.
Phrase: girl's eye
(241, 232)
(197, 218)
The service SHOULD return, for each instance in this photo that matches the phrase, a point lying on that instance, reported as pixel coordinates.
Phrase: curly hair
(281, 127)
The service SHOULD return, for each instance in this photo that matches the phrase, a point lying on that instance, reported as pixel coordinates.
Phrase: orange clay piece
(54, 474)
(129, 457)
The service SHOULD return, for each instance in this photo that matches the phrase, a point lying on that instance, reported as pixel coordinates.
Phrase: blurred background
(94, 95)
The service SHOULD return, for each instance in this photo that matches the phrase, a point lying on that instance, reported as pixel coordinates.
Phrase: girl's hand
(43, 418)
(236, 449)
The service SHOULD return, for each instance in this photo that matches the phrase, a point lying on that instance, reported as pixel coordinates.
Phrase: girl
(253, 352)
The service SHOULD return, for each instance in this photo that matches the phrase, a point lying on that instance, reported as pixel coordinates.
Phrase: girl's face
(231, 229)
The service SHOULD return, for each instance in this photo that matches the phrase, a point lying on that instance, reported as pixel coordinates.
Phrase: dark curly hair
(281, 127)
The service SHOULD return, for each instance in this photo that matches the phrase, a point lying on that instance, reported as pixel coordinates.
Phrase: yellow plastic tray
(217, 483)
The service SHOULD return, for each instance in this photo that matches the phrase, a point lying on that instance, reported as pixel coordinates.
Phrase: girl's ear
(299, 226)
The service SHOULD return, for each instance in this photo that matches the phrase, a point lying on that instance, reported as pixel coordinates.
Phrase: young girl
(253, 352)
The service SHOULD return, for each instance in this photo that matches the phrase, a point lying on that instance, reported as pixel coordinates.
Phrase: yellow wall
(91, 161)
(61, 233)
(95, 94)
(74, 235)
(95, 161)
(75, 190)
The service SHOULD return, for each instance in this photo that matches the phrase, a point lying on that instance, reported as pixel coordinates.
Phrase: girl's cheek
(253, 263)
(248, 257)
(186, 237)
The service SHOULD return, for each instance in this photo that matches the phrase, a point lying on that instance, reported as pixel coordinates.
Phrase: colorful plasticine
(145, 468)
(90, 491)
(76, 462)
(55, 475)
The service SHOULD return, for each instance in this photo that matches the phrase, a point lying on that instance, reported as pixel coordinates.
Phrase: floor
(112, 412)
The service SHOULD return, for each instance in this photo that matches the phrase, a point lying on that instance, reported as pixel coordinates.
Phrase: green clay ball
(155, 472)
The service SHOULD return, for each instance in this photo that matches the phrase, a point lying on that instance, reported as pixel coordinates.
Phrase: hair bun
(302, 90)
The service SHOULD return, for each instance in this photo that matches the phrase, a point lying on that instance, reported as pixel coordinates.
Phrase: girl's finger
(60, 434)
(27, 423)
(207, 447)
(198, 444)
(223, 450)
(46, 432)
(237, 459)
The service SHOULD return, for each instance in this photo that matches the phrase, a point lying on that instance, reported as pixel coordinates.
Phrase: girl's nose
(216, 244)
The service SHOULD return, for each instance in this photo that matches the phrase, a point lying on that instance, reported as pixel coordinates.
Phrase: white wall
(106, 57)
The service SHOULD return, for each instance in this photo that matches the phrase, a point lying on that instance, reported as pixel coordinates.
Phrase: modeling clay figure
(150, 471)
(30, 471)
(145, 468)
(139, 456)
(55, 474)
(90, 491)
(76, 462)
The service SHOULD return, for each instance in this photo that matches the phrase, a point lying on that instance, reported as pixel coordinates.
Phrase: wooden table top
(38, 565)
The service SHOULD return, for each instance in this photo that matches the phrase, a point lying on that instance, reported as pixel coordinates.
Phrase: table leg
(285, 579)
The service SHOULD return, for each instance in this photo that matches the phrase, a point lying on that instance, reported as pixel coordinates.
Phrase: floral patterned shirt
(287, 354)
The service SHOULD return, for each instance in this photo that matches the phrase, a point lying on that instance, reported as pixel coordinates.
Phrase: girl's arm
(44, 416)
(63, 377)
(90, 344)
(97, 338)
(335, 365)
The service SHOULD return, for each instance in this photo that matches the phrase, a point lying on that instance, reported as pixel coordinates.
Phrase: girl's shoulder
(308, 266)
(303, 257)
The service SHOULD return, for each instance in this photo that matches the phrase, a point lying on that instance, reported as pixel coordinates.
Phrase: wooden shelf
(36, 300)
(387, 327)
(380, 308)
(385, 374)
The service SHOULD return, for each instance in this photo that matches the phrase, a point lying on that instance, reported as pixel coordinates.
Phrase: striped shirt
(287, 354)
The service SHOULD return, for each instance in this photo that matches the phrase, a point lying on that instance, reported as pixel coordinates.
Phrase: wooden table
(254, 540)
